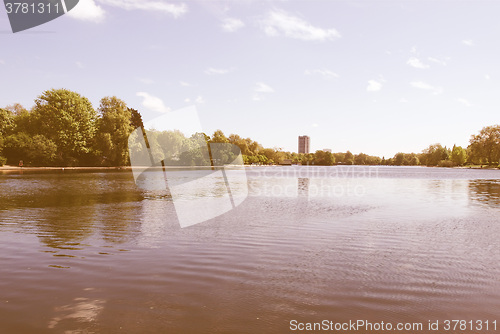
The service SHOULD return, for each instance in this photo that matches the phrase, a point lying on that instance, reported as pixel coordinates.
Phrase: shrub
(446, 163)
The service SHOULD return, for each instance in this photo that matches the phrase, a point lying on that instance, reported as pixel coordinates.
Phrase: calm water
(93, 253)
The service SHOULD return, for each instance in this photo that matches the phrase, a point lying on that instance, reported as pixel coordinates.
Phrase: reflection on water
(303, 187)
(486, 192)
(93, 253)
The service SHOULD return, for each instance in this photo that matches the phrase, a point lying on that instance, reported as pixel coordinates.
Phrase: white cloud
(79, 64)
(468, 42)
(261, 87)
(278, 22)
(403, 100)
(315, 125)
(152, 102)
(211, 71)
(231, 24)
(327, 74)
(176, 10)
(91, 10)
(487, 77)
(185, 84)
(373, 86)
(417, 63)
(187, 100)
(425, 86)
(465, 102)
(199, 100)
(260, 90)
(438, 61)
(87, 10)
(2, 62)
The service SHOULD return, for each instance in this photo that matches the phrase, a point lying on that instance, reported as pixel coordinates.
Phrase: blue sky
(377, 77)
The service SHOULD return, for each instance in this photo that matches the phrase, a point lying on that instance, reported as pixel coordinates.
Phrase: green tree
(414, 161)
(135, 119)
(114, 127)
(435, 153)
(36, 150)
(6, 127)
(324, 158)
(339, 157)
(458, 155)
(348, 158)
(360, 159)
(485, 146)
(6, 122)
(68, 120)
(399, 159)
(219, 137)
(373, 160)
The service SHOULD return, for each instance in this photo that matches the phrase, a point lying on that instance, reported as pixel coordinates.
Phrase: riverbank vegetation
(63, 129)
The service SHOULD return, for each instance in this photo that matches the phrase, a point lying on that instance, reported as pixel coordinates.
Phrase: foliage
(348, 158)
(68, 119)
(113, 129)
(432, 155)
(6, 122)
(484, 147)
(135, 119)
(64, 129)
(458, 155)
(324, 158)
(36, 150)
(446, 163)
(404, 159)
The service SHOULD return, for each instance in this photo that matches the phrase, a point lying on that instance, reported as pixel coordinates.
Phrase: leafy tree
(399, 159)
(485, 146)
(219, 137)
(414, 161)
(308, 159)
(458, 155)
(114, 127)
(360, 159)
(6, 126)
(324, 158)
(67, 119)
(348, 158)
(339, 157)
(432, 155)
(6, 122)
(36, 150)
(172, 144)
(372, 160)
(135, 118)
(194, 152)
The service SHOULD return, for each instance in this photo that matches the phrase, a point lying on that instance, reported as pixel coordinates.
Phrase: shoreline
(7, 167)
(121, 168)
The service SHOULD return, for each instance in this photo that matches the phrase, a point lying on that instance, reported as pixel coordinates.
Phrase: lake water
(94, 253)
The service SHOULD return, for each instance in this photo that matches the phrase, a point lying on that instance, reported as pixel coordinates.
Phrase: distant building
(327, 150)
(304, 144)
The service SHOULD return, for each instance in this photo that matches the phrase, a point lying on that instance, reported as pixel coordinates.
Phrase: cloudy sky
(377, 77)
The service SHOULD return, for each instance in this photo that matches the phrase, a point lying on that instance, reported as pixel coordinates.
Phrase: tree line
(63, 129)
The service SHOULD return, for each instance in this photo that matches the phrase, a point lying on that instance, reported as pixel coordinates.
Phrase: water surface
(93, 253)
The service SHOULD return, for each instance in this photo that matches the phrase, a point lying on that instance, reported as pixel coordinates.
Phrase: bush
(3, 161)
(446, 163)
